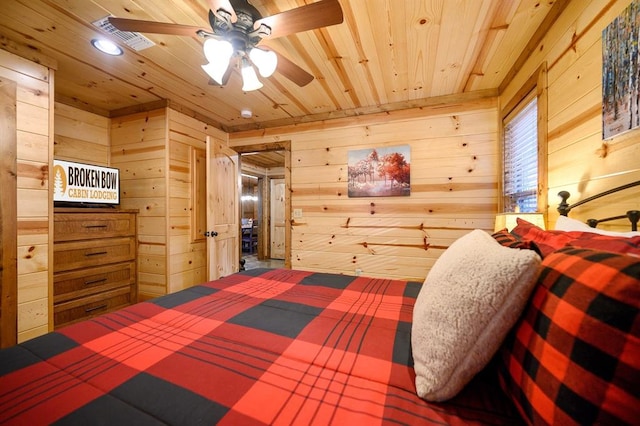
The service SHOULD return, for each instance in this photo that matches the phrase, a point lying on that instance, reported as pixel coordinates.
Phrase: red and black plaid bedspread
(259, 347)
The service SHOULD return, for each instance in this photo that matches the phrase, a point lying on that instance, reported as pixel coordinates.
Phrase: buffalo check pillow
(507, 239)
(546, 242)
(574, 356)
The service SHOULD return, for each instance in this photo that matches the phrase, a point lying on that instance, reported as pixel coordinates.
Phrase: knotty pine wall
(139, 150)
(579, 161)
(188, 255)
(81, 136)
(34, 109)
(453, 188)
(152, 151)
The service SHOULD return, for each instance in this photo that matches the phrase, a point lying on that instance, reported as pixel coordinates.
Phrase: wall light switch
(297, 212)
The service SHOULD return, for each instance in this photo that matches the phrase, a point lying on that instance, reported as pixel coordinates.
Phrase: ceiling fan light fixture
(236, 28)
(249, 78)
(265, 60)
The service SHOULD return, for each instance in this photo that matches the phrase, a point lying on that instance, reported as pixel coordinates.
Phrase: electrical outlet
(358, 272)
(297, 213)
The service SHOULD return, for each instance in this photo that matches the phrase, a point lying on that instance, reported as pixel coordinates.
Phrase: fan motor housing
(237, 33)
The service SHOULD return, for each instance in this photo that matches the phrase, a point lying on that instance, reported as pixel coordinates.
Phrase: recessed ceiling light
(107, 46)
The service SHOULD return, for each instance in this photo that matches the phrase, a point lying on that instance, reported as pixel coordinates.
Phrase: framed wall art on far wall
(380, 172)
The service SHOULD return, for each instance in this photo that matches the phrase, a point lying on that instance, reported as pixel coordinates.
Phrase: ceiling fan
(236, 30)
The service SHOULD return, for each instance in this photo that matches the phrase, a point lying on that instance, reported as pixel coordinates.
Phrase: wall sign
(85, 183)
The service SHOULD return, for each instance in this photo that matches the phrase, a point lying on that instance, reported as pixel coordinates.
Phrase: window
(524, 137)
(520, 178)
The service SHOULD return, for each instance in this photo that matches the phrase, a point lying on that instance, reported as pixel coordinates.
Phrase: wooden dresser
(94, 262)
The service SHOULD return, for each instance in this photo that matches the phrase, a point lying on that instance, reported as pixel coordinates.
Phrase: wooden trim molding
(543, 119)
(276, 146)
(287, 208)
(8, 215)
(198, 205)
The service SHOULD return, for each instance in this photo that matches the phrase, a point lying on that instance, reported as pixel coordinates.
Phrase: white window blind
(520, 191)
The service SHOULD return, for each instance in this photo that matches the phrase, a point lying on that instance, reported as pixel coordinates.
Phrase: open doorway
(265, 206)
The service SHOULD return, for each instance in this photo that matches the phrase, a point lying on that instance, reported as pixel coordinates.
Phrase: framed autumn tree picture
(380, 172)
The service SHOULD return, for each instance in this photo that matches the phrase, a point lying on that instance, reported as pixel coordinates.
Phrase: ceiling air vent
(135, 41)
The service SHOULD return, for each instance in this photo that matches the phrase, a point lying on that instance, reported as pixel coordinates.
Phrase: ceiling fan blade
(292, 71)
(135, 25)
(214, 5)
(309, 17)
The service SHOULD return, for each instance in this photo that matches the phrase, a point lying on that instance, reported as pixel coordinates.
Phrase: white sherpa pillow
(472, 296)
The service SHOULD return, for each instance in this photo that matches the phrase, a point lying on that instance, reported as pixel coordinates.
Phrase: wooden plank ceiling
(387, 54)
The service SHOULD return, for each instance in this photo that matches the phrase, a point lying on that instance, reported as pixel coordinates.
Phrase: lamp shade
(217, 50)
(218, 53)
(215, 71)
(509, 220)
(265, 60)
(249, 78)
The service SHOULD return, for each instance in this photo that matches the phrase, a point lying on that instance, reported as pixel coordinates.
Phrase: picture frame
(379, 172)
(620, 73)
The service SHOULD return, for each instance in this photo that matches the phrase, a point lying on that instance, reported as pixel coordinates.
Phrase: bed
(258, 347)
(278, 346)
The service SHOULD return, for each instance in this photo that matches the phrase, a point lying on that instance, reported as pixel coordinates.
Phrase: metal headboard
(633, 215)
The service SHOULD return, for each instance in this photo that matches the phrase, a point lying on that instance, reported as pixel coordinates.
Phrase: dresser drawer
(84, 282)
(79, 309)
(94, 262)
(81, 254)
(79, 226)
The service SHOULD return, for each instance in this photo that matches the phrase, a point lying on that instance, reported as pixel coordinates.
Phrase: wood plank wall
(188, 264)
(152, 150)
(34, 123)
(187, 251)
(453, 188)
(579, 161)
(139, 150)
(81, 136)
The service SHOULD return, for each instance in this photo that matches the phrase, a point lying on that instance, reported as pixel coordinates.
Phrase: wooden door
(277, 219)
(222, 210)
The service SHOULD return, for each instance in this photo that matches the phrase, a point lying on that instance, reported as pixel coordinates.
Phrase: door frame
(273, 224)
(8, 214)
(284, 146)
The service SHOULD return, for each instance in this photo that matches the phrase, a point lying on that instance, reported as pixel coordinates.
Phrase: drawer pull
(95, 226)
(99, 280)
(95, 308)
(97, 253)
